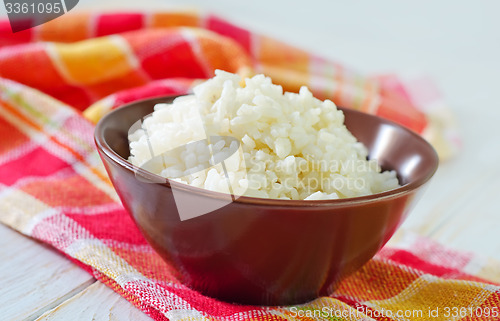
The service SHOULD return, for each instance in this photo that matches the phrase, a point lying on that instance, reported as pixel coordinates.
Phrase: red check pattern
(53, 186)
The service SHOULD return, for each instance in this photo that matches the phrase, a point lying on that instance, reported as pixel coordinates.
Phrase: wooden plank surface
(460, 207)
(96, 302)
(34, 278)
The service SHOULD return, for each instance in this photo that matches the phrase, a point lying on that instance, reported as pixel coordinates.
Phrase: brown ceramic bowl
(267, 251)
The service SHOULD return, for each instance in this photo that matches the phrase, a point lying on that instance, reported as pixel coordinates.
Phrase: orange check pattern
(53, 187)
(105, 60)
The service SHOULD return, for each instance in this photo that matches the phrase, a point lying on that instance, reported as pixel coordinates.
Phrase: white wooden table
(457, 44)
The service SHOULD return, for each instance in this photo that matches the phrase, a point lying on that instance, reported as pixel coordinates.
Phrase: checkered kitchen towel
(115, 58)
(54, 189)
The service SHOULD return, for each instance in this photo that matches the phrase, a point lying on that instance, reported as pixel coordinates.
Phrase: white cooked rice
(292, 146)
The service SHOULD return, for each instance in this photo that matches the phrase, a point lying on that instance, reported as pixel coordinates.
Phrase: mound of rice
(291, 146)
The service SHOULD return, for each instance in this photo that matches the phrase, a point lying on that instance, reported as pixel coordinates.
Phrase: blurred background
(457, 43)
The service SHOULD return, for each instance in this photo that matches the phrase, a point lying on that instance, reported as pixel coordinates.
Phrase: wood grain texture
(461, 208)
(96, 302)
(459, 51)
(34, 278)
